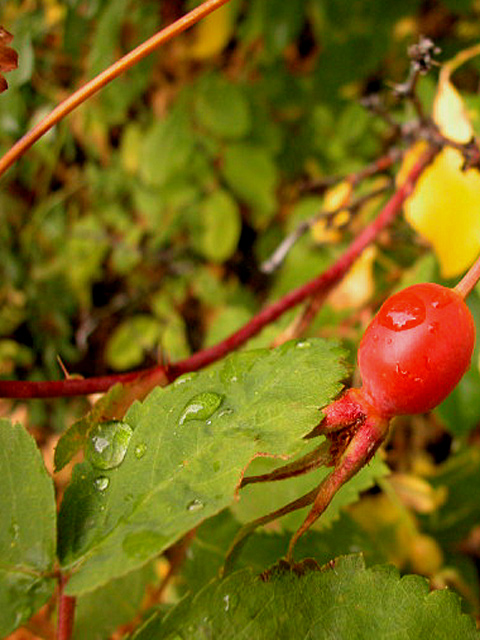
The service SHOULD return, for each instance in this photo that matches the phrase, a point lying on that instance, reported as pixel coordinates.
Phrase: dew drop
(303, 344)
(195, 505)
(183, 379)
(432, 327)
(201, 407)
(226, 602)
(140, 450)
(108, 444)
(101, 483)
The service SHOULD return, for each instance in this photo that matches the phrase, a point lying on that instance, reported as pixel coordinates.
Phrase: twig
(421, 61)
(281, 252)
(377, 166)
(116, 69)
(324, 282)
(66, 612)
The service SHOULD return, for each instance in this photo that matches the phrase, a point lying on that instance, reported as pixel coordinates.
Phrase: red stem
(66, 612)
(323, 282)
(469, 280)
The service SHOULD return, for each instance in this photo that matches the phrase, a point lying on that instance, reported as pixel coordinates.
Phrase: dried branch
(281, 252)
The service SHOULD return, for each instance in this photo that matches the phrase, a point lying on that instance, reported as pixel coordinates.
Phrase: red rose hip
(416, 349)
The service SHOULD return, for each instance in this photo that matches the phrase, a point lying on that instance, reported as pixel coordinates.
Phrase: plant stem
(116, 69)
(324, 282)
(66, 612)
(469, 280)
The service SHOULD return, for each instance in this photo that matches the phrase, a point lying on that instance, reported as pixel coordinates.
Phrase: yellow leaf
(357, 287)
(212, 34)
(335, 198)
(445, 206)
(450, 114)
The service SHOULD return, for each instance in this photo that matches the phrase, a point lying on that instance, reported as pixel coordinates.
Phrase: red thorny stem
(116, 69)
(324, 282)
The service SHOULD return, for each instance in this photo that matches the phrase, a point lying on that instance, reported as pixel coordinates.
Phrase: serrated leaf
(209, 547)
(345, 600)
(259, 499)
(27, 528)
(190, 445)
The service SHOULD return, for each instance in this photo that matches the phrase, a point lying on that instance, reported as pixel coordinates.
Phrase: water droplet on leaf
(195, 505)
(226, 601)
(303, 344)
(201, 407)
(101, 483)
(183, 379)
(108, 444)
(140, 450)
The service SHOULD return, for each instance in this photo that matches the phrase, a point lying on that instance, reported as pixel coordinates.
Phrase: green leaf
(191, 443)
(222, 108)
(251, 173)
(259, 499)
(130, 341)
(345, 600)
(167, 148)
(220, 226)
(27, 528)
(459, 476)
(208, 549)
(100, 612)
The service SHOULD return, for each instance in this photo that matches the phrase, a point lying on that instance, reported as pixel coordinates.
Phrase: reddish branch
(66, 612)
(322, 283)
(116, 69)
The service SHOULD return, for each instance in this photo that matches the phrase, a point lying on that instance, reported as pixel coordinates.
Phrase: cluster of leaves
(137, 226)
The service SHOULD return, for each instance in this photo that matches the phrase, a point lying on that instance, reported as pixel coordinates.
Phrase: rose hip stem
(469, 280)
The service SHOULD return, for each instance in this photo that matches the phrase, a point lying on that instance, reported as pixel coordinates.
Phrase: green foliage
(27, 528)
(321, 604)
(191, 442)
(133, 233)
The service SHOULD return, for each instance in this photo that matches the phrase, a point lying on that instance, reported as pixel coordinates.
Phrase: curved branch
(324, 282)
(116, 69)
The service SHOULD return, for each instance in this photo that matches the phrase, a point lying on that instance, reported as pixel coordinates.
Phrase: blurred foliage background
(135, 229)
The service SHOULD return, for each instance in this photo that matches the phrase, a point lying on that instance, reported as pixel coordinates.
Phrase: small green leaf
(258, 402)
(459, 477)
(345, 600)
(167, 148)
(130, 341)
(27, 528)
(221, 107)
(251, 174)
(120, 598)
(220, 225)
